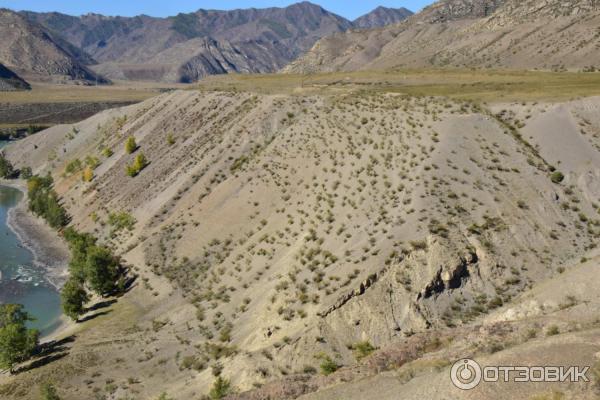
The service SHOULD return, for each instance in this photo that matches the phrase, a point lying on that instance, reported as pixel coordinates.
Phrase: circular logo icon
(465, 374)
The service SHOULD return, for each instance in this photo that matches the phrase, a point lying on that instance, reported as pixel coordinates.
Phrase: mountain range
(34, 53)
(548, 35)
(182, 48)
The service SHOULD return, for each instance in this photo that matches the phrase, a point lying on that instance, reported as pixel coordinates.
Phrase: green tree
(220, 389)
(74, 297)
(6, 168)
(56, 215)
(79, 243)
(130, 145)
(48, 392)
(17, 342)
(44, 201)
(102, 270)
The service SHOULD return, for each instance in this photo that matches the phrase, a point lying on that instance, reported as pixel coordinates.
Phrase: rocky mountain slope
(189, 46)
(531, 34)
(32, 52)
(274, 233)
(382, 16)
(11, 81)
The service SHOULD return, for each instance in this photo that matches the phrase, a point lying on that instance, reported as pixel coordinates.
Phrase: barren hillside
(534, 34)
(35, 54)
(382, 16)
(273, 232)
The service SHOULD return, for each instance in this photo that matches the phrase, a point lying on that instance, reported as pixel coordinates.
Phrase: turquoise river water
(21, 281)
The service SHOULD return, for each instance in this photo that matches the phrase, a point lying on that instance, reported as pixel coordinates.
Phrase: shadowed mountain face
(549, 35)
(32, 52)
(10, 81)
(187, 47)
(382, 16)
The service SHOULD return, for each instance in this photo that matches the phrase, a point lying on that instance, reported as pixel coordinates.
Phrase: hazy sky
(160, 8)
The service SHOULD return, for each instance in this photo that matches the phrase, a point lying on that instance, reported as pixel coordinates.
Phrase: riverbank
(50, 251)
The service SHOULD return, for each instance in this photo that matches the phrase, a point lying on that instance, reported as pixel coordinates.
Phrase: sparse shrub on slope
(130, 145)
(48, 392)
(88, 174)
(220, 389)
(557, 177)
(139, 164)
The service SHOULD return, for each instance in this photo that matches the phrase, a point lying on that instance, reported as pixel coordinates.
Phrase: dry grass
(118, 92)
(477, 85)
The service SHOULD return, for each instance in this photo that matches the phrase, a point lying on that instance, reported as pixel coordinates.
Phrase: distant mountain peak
(382, 16)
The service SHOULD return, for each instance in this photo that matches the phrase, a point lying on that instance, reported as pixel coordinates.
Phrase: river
(21, 281)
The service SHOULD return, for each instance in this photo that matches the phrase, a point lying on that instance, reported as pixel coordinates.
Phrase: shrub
(92, 162)
(362, 349)
(552, 330)
(328, 366)
(220, 389)
(88, 174)
(48, 392)
(130, 145)
(170, 139)
(73, 166)
(139, 164)
(557, 177)
(121, 220)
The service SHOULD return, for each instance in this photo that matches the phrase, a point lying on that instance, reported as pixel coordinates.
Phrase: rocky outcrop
(10, 81)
